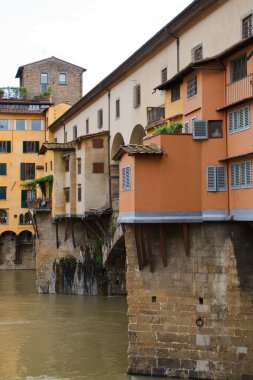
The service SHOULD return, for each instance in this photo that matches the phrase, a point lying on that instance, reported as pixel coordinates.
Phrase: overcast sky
(95, 34)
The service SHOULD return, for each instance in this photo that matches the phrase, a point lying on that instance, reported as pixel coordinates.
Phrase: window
(67, 164)
(30, 146)
(215, 129)
(3, 169)
(27, 171)
(216, 178)
(239, 120)
(36, 125)
(175, 92)
(25, 218)
(98, 167)
(3, 217)
(191, 87)
(67, 194)
(164, 75)
(79, 193)
(247, 26)
(200, 129)
(26, 196)
(20, 125)
(117, 110)
(97, 143)
(187, 127)
(137, 96)
(3, 192)
(126, 178)
(5, 146)
(62, 78)
(87, 126)
(4, 124)
(196, 53)
(79, 166)
(100, 118)
(241, 176)
(43, 82)
(75, 132)
(238, 69)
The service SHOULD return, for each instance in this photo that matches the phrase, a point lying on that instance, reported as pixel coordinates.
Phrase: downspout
(109, 153)
(178, 46)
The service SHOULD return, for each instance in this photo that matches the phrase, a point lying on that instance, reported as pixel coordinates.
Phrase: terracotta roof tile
(134, 149)
(57, 146)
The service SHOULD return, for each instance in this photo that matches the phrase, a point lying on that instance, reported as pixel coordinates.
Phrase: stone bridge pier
(190, 300)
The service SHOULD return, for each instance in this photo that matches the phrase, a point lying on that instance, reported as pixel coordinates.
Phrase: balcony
(239, 90)
(13, 93)
(40, 204)
(155, 114)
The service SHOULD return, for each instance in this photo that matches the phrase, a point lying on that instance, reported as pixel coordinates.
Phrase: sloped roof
(134, 149)
(91, 135)
(57, 146)
(20, 69)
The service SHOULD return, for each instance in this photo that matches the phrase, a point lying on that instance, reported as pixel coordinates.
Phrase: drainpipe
(109, 152)
(178, 43)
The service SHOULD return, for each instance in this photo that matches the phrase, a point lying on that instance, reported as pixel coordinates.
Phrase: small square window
(215, 128)
(62, 78)
(197, 53)
(97, 143)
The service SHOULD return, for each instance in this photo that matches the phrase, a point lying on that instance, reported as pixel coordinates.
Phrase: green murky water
(61, 337)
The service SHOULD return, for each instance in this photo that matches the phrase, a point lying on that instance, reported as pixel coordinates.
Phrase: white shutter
(211, 178)
(126, 178)
(246, 174)
(200, 129)
(235, 176)
(221, 178)
(244, 117)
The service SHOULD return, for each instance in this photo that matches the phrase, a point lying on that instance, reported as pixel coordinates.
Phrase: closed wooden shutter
(24, 198)
(22, 170)
(3, 169)
(37, 146)
(2, 192)
(8, 146)
(98, 167)
(200, 129)
(24, 146)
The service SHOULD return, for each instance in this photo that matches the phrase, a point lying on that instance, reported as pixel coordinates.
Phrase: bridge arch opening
(137, 134)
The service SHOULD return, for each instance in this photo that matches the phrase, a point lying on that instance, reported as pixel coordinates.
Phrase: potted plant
(48, 93)
(1, 93)
(23, 92)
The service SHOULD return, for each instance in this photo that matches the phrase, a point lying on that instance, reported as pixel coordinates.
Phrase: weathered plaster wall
(213, 284)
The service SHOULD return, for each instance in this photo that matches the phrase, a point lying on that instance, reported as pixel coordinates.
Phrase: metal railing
(239, 90)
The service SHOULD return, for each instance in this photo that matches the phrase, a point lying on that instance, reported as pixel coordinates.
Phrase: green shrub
(171, 128)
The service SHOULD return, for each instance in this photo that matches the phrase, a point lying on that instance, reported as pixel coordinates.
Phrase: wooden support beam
(36, 226)
(163, 250)
(66, 230)
(186, 239)
(72, 233)
(92, 230)
(149, 243)
(57, 234)
(143, 246)
(138, 249)
(100, 226)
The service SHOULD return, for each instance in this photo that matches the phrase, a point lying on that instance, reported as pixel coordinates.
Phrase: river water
(60, 337)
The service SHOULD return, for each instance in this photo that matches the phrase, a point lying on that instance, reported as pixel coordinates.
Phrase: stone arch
(137, 134)
(25, 236)
(114, 168)
(117, 142)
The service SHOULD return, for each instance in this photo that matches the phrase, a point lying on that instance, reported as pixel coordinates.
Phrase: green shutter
(22, 170)
(2, 169)
(24, 198)
(8, 146)
(37, 146)
(2, 192)
(24, 146)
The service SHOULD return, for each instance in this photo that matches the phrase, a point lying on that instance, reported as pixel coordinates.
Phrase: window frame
(43, 84)
(192, 87)
(126, 178)
(62, 83)
(175, 93)
(16, 121)
(197, 53)
(36, 120)
(239, 175)
(238, 74)
(137, 96)
(100, 118)
(249, 27)
(216, 178)
(3, 193)
(234, 119)
(117, 108)
(8, 126)
(164, 75)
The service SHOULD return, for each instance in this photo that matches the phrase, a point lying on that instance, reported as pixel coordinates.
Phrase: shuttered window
(191, 87)
(239, 120)
(137, 96)
(216, 178)
(241, 175)
(200, 129)
(98, 167)
(3, 169)
(30, 146)
(126, 178)
(27, 171)
(187, 127)
(100, 118)
(3, 192)
(5, 146)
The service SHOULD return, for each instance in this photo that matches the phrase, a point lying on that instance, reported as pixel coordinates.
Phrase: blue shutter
(211, 184)
(221, 178)
(244, 117)
(126, 178)
(200, 129)
(235, 176)
(246, 174)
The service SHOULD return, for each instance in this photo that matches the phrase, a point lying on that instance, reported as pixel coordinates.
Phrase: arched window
(25, 237)
(3, 217)
(27, 218)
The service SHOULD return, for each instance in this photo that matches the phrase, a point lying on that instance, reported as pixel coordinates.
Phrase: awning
(38, 181)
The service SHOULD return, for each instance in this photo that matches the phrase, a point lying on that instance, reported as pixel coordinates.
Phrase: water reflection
(60, 337)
